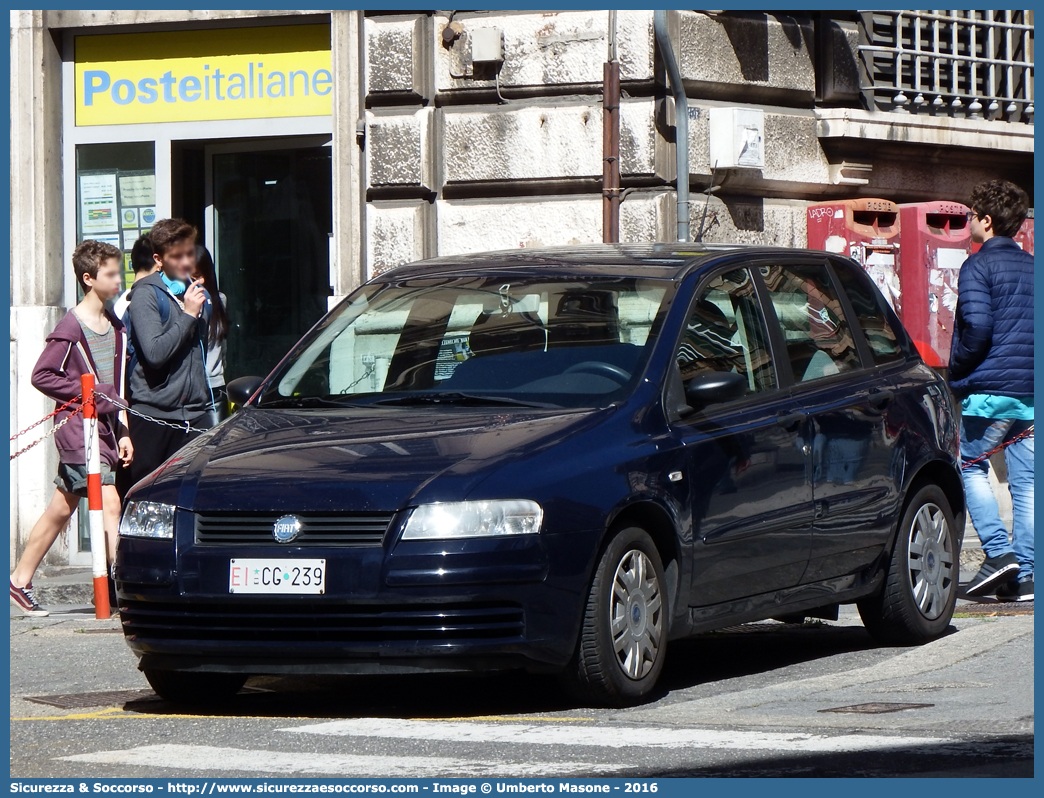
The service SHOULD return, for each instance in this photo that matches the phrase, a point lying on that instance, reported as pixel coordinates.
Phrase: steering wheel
(602, 368)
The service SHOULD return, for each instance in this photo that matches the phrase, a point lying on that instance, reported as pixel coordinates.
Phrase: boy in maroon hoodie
(90, 339)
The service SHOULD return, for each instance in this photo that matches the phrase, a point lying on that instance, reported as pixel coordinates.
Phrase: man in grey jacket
(169, 316)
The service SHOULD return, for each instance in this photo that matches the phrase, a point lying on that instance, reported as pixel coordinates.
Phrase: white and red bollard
(91, 444)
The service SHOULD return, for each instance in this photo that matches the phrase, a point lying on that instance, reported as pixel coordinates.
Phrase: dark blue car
(556, 460)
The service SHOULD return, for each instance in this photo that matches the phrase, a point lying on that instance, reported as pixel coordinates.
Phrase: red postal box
(935, 241)
(867, 230)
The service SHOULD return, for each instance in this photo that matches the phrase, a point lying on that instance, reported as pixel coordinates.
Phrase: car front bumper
(402, 607)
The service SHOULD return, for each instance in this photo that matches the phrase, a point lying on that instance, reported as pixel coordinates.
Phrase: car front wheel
(197, 689)
(622, 642)
(916, 602)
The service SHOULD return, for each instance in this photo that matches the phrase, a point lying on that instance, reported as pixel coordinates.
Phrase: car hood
(355, 459)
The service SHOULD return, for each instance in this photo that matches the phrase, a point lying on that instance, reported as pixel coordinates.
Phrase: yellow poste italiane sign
(203, 75)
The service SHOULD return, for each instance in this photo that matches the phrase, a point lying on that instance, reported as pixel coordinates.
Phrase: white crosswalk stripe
(611, 736)
(201, 759)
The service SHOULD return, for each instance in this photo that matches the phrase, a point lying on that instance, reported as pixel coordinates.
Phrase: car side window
(818, 338)
(726, 332)
(871, 310)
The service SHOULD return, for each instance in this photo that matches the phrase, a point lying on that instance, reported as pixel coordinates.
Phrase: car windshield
(492, 340)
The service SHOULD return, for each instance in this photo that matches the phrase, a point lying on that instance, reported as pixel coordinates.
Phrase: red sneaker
(25, 600)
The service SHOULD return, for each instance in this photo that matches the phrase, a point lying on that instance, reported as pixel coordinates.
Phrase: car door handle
(881, 398)
(791, 420)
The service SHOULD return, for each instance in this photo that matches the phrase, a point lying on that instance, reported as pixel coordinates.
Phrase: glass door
(271, 224)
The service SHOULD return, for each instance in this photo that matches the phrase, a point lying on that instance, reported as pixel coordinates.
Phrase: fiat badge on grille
(286, 529)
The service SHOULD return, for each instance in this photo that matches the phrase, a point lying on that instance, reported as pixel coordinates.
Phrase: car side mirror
(240, 390)
(714, 387)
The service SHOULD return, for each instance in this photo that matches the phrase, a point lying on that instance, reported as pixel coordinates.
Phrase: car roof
(670, 260)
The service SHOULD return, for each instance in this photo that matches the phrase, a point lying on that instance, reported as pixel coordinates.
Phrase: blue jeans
(978, 436)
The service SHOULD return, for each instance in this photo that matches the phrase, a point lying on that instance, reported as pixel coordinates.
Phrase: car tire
(197, 689)
(916, 602)
(623, 639)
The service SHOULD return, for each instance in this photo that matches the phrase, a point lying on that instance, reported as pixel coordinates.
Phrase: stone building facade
(429, 152)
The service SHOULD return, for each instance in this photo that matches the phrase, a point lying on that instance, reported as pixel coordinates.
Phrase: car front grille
(249, 529)
(321, 622)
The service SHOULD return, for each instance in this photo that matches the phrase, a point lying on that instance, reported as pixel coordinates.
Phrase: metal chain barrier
(1028, 433)
(184, 427)
(50, 432)
(45, 418)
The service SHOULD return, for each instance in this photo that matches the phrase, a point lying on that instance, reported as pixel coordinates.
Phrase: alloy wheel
(931, 561)
(636, 614)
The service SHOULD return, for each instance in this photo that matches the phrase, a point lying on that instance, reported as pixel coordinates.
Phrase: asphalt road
(744, 702)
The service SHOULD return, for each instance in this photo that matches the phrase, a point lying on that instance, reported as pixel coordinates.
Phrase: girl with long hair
(219, 327)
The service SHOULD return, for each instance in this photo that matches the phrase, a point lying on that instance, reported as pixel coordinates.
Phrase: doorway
(269, 222)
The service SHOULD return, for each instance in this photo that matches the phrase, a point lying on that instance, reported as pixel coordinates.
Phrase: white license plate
(299, 577)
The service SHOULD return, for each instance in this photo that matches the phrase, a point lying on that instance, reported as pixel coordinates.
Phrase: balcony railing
(963, 64)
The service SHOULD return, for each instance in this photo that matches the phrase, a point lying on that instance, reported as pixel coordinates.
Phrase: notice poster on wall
(107, 239)
(148, 217)
(137, 189)
(98, 204)
(129, 237)
(129, 217)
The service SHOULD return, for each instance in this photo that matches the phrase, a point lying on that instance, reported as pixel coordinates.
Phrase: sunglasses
(972, 215)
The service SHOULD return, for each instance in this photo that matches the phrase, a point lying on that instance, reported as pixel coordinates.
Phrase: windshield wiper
(306, 401)
(457, 398)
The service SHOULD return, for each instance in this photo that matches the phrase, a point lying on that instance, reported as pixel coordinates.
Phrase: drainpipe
(681, 120)
(611, 141)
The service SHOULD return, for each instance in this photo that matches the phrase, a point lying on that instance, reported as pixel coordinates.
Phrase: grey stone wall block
(475, 226)
(648, 218)
(347, 267)
(31, 473)
(38, 267)
(643, 152)
(529, 143)
(545, 49)
(699, 139)
(398, 149)
(731, 219)
(635, 48)
(544, 142)
(396, 233)
(395, 56)
(842, 62)
(746, 54)
(71, 18)
(792, 150)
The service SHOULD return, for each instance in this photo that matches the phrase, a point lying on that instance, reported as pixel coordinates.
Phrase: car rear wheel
(180, 687)
(623, 640)
(916, 602)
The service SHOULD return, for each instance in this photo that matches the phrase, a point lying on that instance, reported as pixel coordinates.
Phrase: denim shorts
(73, 478)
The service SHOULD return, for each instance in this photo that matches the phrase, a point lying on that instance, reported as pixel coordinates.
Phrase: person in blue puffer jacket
(991, 372)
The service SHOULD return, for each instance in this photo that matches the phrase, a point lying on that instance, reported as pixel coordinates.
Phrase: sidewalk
(64, 585)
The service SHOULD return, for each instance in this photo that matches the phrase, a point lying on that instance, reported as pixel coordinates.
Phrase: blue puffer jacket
(992, 347)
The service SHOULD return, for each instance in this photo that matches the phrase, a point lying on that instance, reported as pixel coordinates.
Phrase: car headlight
(473, 520)
(147, 520)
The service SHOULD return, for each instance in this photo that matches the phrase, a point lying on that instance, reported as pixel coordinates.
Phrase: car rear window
(872, 311)
(818, 338)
